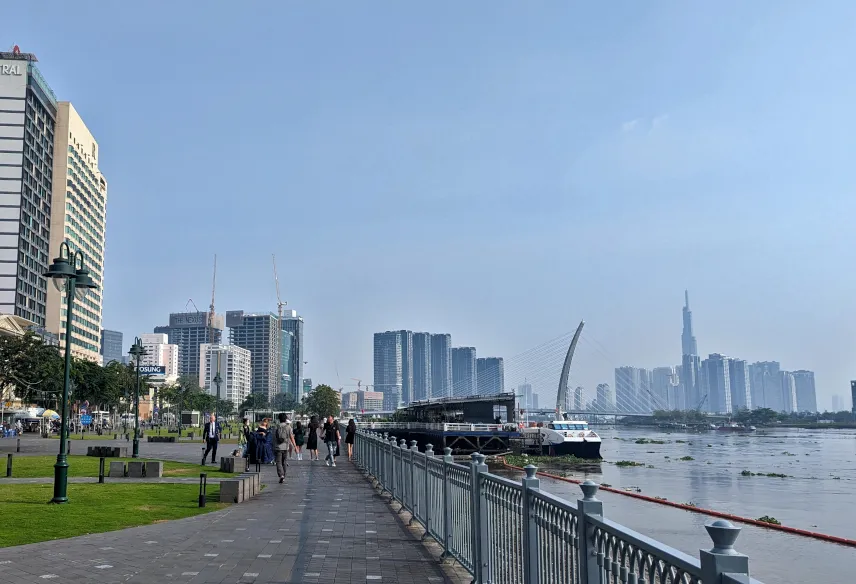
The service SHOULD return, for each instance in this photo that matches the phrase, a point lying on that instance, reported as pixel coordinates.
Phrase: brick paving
(323, 525)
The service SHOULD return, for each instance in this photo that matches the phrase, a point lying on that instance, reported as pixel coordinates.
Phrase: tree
(255, 401)
(33, 370)
(323, 401)
(283, 402)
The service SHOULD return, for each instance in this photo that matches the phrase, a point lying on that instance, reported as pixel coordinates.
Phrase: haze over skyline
(490, 170)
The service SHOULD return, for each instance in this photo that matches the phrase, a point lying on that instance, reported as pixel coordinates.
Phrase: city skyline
(548, 152)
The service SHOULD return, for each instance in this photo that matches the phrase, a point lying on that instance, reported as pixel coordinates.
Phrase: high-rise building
(78, 218)
(28, 111)
(370, 401)
(464, 371)
(663, 382)
(388, 367)
(490, 375)
(690, 361)
(307, 386)
(111, 346)
(189, 330)
(806, 393)
(741, 393)
(406, 367)
(524, 395)
(233, 363)
(441, 365)
(293, 323)
(632, 389)
(287, 384)
(837, 403)
(579, 399)
(259, 334)
(160, 353)
(788, 392)
(421, 366)
(765, 385)
(534, 405)
(605, 400)
(716, 383)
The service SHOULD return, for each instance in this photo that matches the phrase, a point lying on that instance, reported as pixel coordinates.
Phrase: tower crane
(211, 308)
(279, 302)
(359, 382)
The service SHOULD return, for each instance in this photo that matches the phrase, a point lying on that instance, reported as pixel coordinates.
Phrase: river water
(819, 494)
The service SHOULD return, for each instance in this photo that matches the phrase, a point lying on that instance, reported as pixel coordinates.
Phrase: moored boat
(563, 438)
(735, 428)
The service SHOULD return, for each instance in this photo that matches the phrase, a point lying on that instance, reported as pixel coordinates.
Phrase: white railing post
(392, 445)
(590, 572)
(530, 484)
(411, 481)
(429, 454)
(481, 542)
(723, 559)
(447, 505)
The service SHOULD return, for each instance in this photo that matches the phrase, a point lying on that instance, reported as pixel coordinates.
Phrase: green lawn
(94, 509)
(27, 467)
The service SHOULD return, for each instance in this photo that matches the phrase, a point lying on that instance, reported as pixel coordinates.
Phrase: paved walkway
(323, 525)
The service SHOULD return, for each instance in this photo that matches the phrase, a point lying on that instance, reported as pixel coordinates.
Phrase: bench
(241, 488)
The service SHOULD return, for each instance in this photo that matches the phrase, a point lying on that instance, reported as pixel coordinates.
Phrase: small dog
(236, 452)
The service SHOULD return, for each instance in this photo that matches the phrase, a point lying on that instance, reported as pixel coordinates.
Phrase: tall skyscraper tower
(490, 375)
(388, 367)
(233, 364)
(189, 330)
(421, 367)
(293, 323)
(765, 385)
(111, 346)
(78, 218)
(28, 111)
(464, 371)
(258, 334)
(806, 393)
(690, 361)
(406, 367)
(524, 395)
(741, 394)
(716, 383)
(441, 365)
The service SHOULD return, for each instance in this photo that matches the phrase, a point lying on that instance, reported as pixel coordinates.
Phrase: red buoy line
(702, 511)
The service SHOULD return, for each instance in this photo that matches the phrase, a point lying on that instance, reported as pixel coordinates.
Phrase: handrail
(507, 532)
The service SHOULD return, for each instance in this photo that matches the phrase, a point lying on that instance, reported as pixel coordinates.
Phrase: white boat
(735, 428)
(564, 437)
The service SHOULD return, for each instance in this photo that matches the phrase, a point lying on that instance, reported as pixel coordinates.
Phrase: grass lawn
(27, 467)
(94, 509)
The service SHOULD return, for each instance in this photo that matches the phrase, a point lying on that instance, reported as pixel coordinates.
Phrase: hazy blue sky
(495, 170)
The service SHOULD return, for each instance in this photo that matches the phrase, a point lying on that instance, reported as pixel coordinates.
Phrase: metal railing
(444, 427)
(505, 532)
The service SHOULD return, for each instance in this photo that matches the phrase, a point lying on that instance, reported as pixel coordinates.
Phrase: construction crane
(279, 302)
(189, 303)
(359, 382)
(211, 308)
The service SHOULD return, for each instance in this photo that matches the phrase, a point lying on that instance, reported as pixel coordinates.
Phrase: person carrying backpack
(283, 442)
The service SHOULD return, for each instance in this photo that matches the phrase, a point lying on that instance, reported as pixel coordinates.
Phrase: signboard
(152, 369)
(85, 420)
(188, 319)
(234, 318)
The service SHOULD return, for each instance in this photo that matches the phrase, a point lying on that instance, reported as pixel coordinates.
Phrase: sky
(494, 170)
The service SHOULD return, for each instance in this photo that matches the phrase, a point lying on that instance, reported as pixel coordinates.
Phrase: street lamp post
(76, 282)
(217, 381)
(137, 351)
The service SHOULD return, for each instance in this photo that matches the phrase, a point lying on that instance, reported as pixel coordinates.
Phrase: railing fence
(505, 532)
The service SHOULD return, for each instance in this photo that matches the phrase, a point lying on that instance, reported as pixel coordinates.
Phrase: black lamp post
(75, 282)
(136, 352)
(217, 381)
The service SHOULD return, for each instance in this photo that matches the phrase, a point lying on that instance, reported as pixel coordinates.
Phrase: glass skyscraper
(111, 346)
(464, 371)
(421, 366)
(293, 323)
(441, 365)
(259, 335)
(388, 365)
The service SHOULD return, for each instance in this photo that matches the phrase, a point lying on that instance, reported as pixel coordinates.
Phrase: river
(818, 494)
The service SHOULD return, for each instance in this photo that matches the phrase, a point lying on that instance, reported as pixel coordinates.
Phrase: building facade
(690, 360)
(806, 391)
(159, 352)
(189, 330)
(464, 371)
(605, 400)
(293, 323)
(441, 365)
(388, 365)
(741, 393)
(78, 218)
(490, 375)
(524, 395)
(716, 383)
(111, 346)
(234, 366)
(663, 382)
(788, 396)
(28, 111)
(421, 366)
(765, 385)
(259, 334)
(288, 385)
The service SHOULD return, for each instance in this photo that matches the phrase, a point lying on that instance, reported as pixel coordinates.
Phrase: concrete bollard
(203, 485)
(18, 446)
(9, 466)
(101, 470)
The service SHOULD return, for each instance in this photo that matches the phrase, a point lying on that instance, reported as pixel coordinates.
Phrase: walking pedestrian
(284, 441)
(244, 439)
(350, 432)
(331, 439)
(211, 435)
(312, 438)
(299, 440)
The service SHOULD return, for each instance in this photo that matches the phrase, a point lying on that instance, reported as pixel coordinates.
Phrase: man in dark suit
(211, 436)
